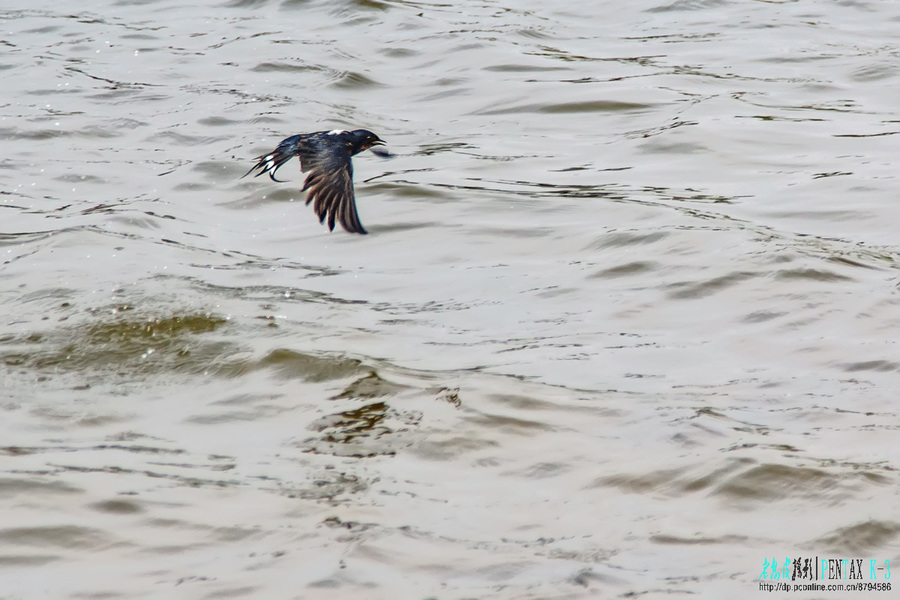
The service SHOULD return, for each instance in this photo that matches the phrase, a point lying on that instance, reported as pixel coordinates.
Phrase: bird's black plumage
(326, 155)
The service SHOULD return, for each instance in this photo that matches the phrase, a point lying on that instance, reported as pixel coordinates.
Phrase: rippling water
(624, 324)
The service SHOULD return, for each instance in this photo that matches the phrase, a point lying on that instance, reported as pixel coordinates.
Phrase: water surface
(624, 325)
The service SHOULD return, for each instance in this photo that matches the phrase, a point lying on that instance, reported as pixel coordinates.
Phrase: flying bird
(326, 155)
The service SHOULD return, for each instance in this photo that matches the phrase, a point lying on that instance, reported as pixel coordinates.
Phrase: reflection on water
(125, 345)
(624, 325)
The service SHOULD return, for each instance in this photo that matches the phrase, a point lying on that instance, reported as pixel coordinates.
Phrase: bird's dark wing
(330, 185)
(271, 162)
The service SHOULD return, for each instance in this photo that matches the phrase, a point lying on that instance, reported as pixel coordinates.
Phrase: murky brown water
(624, 325)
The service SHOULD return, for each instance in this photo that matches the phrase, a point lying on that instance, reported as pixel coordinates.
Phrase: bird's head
(363, 139)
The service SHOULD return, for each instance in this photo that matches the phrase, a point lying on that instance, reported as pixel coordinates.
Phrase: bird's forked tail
(271, 162)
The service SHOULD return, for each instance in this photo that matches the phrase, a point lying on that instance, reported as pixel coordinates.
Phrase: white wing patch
(335, 131)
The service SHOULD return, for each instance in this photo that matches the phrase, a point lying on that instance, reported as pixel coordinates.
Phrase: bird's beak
(379, 151)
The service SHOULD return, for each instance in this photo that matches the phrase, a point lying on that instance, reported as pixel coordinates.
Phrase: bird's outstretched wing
(330, 185)
(271, 162)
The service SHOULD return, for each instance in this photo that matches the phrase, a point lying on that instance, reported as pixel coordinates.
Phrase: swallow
(326, 155)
